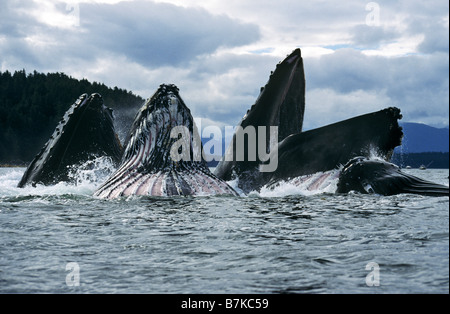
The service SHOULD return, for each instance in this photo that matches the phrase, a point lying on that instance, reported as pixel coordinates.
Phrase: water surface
(277, 242)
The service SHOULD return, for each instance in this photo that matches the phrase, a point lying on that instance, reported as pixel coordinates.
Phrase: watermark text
(373, 278)
(373, 17)
(73, 277)
(250, 144)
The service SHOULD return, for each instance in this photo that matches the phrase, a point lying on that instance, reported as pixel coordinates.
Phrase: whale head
(86, 131)
(367, 176)
(163, 154)
(281, 104)
(163, 122)
(282, 100)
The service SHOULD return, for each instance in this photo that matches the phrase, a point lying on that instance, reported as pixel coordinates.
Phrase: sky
(359, 56)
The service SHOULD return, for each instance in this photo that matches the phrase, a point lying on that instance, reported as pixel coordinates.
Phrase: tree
(31, 106)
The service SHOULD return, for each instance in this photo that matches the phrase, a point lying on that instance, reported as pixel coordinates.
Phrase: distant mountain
(415, 160)
(420, 138)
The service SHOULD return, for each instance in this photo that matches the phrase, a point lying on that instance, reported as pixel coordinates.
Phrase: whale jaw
(171, 182)
(85, 132)
(281, 104)
(148, 164)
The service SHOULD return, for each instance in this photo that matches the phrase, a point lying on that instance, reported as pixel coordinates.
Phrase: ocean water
(60, 239)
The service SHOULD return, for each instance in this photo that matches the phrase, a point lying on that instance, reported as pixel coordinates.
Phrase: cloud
(365, 36)
(162, 34)
(417, 84)
(320, 102)
(145, 32)
(436, 37)
(219, 53)
(345, 70)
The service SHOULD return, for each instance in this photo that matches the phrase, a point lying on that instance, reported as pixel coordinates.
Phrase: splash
(92, 172)
(235, 185)
(318, 183)
(9, 178)
(86, 178)
(375, 154)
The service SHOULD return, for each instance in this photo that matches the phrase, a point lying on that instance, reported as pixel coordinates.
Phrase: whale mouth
(83, 108)
(90, 112)
(86, 102)
(148, 165)
(150, 137)
(86, 131)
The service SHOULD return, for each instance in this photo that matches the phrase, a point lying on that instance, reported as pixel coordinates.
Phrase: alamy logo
(373, 278)
(373, 18)
(72, 12)
(73, 277)
(257, 140)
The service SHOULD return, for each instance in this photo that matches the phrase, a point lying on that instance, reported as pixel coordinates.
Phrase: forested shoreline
(32, 104)
(437, 160)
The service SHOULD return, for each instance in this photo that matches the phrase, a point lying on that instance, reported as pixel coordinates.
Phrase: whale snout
(95, 101)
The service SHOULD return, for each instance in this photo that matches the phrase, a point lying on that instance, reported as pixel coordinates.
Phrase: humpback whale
(281, 103)
(323, 150)
(85, 132)
(163, 154)
(379, 177)
(331, 146)
(151, 164)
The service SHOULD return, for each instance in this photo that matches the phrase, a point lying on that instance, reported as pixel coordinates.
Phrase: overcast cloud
(359, 56)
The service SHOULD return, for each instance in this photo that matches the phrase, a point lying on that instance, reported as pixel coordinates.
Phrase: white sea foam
(235, 185)
(318, 183)
(86, 179)
(92, 172)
